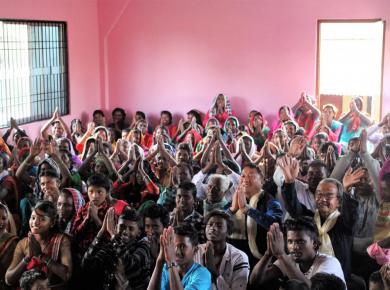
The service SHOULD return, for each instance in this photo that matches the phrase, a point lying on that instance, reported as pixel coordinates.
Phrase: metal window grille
(33, 70)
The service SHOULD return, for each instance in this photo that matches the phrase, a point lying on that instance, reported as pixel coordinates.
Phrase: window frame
(45, 115)
(318, 53)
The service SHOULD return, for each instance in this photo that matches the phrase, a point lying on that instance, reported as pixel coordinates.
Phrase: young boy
(90, 217)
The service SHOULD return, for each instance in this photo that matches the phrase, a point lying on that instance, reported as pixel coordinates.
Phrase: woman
(8, 187)
(220, 109)
(8, 242)
(354, 121)
(44, 249)
(258, 129)
(76, 130)
(328, 124)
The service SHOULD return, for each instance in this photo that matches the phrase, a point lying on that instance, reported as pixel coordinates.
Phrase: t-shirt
(322, 264)
(196, 278)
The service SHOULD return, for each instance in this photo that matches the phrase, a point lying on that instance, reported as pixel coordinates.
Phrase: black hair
(165, 112)
(157, 211)
(324, 148)
(196, 115)
(126, 130)
(376, 277)
(233, 166)
(99, 180)
(223, 215)
(353, 139)
(28, 278)
(120, 110)
(321, 135)
(142, 114)
(305, 224)
(254, 166)
(131, 215)
(325, 281)
(97, 112)
(49, 173)
(386, 177)
(294, 284)
(319, 163)
(188, 186)
(187, 230)
(74, 121)
(50, 210)
(5, 159)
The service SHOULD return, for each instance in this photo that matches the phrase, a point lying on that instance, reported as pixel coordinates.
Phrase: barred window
(33, 70)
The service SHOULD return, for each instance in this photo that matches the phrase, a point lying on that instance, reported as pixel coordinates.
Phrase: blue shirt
(196, 278)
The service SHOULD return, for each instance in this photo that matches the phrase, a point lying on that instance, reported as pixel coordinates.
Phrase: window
(33, 70)
(350, 57)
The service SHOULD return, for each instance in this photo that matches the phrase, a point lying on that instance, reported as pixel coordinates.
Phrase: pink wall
(178, 54)
(83, 49)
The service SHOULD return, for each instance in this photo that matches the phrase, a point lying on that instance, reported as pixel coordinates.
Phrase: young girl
(8, 241)
(44, 249)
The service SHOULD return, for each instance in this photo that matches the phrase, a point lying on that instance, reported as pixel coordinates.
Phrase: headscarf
(206, 128)
(252, 150)
(78, 199)
(228, 107)
(235, 120)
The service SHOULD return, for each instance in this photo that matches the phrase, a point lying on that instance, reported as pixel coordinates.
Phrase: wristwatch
(172, 264)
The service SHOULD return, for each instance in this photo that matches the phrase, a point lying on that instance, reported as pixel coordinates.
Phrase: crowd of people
(201, 204)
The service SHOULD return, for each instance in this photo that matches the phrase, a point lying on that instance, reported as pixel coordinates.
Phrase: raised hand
(13, 123)
(297, 146)
(290, 168)
(352, 177)
(363, 141)
(52, 149)
(36, 148)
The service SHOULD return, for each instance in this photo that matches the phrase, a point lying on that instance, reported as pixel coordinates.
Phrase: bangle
(26, 260)
(172, 264)
(48, 262)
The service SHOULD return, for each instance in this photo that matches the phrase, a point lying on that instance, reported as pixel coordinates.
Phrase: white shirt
(234, 268)
(322, 264)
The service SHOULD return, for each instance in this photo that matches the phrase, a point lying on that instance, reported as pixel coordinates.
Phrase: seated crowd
(212, 204)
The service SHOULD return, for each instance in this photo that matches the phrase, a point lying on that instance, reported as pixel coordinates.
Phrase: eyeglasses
(322, 195)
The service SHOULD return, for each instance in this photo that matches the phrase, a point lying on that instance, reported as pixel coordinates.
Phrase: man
(185, 212)
(175, 267)
(217, 186)
(229, 267)
(360, 181)
(123, 262)
(156, 219)
(303, 260)
(305, 191)
(253, 211)
(335, 213)
(98, 118)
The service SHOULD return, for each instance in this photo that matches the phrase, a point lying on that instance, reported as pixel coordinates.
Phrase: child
(90, 217)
